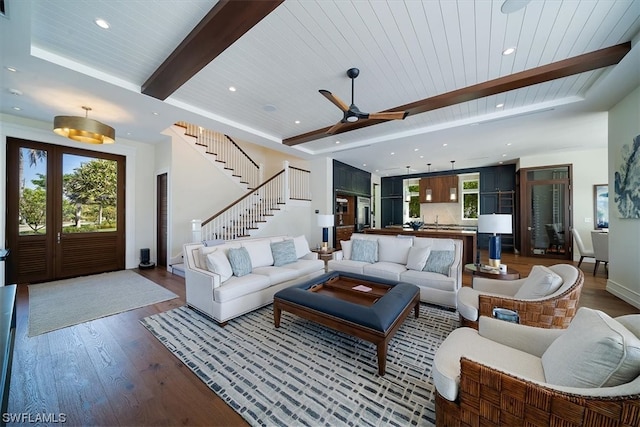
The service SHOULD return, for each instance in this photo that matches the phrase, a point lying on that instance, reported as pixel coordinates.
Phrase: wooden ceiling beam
(225, 23)
(567, 67)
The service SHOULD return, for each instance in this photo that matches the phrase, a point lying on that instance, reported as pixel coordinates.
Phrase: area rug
(56, 305)
(305, 374)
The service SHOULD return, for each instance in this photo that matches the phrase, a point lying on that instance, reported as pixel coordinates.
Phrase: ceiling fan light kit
(351, 113)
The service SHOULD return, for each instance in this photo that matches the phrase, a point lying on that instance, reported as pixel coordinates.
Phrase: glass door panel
(32, 204)
(548, 222)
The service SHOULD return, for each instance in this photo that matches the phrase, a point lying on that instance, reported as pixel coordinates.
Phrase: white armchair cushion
(417, 258)
(540, 283)
(595, 351)
(217, 262)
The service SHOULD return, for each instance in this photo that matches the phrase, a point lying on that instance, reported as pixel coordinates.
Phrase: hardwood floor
(112, 371)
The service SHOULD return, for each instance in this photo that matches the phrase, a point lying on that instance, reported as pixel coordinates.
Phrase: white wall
(321, 196)
(589, 169)
(624, 234)
(140, 182)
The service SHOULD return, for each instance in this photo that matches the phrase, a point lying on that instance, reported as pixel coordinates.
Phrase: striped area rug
(306, 374)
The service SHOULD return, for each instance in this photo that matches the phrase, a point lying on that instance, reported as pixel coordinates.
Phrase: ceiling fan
(352, 113)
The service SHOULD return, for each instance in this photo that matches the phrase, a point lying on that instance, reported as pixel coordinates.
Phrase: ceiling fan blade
(393, 115)
(334, 99)
(333, 129)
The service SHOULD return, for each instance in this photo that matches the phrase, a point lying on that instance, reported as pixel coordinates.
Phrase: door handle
(58, 237)
(529, 228)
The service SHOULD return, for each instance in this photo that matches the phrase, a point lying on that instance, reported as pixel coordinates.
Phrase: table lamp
(496, 224)
(325, 221)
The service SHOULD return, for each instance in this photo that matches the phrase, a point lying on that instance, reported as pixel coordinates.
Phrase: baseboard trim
(624, 293)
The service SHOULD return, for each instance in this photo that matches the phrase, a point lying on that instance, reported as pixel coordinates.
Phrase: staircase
(263, 200)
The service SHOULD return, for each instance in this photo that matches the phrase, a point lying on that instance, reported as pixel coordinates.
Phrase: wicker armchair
(497, 378)
(551, 311)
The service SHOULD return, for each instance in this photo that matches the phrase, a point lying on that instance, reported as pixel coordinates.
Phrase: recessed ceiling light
(337, 142)
(392, 153)
(364, 164)
(416, 149)
(500, 163)
(445, 144)
(508, 143)
(102, 23)
(13, 70)
(232, 88)
(155, 113)
(17, 108)
(510, 6)
(500, 105)
(422, 157)
(297, 122)
(15, 92)
(508, 51)
(504, 155)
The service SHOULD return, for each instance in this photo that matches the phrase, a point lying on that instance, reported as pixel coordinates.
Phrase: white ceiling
(406, 51)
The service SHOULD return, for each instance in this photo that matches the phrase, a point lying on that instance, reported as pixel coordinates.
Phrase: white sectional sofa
(214, 287)
(432, 264)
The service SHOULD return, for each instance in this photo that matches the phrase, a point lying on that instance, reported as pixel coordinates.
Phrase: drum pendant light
(84, 129)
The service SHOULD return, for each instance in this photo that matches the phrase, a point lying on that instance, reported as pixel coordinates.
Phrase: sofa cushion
(306, 266)
(302, 246)
(595, 351)
(393, 249)
(283, 252)
(417, 257)
(540, 283)
(364, 250)
(384, 270)
(427, 279)
(217, 262)
(240, 261)
(346, 249)
(349, 266)
(276, 274)
(259, 252)
(439, 261)
(237, 287)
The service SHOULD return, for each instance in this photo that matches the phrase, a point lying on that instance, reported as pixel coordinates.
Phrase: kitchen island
(469, 240)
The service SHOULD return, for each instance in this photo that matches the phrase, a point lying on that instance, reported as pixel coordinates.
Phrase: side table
(324, 255)
(511, 274)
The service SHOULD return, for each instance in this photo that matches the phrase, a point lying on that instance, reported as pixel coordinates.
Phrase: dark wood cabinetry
(440, 187)
(351, 180)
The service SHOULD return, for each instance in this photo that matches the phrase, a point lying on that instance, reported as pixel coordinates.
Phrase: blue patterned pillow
(240, 261)
(439, 262)
(283, 252)
(364, 250)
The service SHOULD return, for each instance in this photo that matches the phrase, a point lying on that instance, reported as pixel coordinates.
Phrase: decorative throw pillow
(439, 262)
(217, 262)
(594, 351)
(259, 252)
(283, 252)
(540, 283)
(302, 246)
(240, 261)
(418, 258)
(346, 249)
(364, 250)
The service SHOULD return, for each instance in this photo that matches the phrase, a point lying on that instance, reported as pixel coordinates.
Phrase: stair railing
(226, 151)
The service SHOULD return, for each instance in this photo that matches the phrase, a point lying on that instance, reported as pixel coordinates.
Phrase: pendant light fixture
(84, 129)
(453, 190)
(428, 194)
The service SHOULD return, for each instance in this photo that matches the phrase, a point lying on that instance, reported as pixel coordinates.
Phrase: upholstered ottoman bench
(366, 307)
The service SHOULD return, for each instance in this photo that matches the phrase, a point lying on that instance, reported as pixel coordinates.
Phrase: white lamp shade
(325, 220)
(495, 223)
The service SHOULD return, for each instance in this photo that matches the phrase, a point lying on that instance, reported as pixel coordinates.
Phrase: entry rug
(55, 305)
(305, 374)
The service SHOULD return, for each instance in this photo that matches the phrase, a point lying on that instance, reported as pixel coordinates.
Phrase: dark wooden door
(161, 220)
(65, 212)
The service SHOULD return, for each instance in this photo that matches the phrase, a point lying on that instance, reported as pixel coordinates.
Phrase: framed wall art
(600, 206)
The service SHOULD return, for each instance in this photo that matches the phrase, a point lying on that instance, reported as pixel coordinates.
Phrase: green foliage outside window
(470, 199)
(414, 201)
